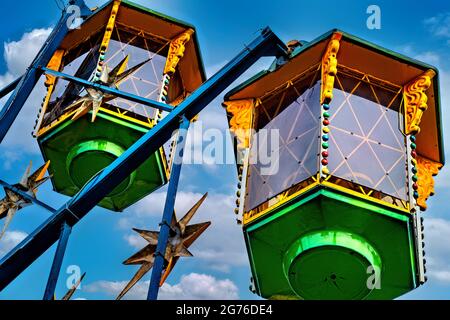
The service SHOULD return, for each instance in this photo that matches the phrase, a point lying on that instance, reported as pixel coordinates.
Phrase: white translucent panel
(296, 156)
(146, 82)
(366, 144)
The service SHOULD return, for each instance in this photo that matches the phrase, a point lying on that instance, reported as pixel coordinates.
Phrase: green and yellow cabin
(82, 130)
(337, 215)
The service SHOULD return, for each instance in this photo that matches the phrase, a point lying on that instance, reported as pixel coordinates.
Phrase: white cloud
(8, 158)
(10, 240)
(437, 249)
(442, 276)
(18, 56)
(221, 246)
(135, 241)
(191, 287)
(439, 25)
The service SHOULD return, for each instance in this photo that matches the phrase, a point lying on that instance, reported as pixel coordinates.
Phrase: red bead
(415, 186)
(324, 162)
(414, 154)
(325, 154)
(326, 122)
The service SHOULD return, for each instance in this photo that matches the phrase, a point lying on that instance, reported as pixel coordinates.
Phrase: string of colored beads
(164, 96)
(414, 170)
(100, 64)
(238, 193)
(325, 139)
(40, 112)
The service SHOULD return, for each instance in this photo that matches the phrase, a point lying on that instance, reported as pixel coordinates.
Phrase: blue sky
(103, 239)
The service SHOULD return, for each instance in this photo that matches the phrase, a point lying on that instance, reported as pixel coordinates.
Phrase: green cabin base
(78, 150)
(326, 245)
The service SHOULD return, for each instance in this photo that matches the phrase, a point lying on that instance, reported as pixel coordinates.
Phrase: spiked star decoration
(182, 236)
(13, 202)
(94, 98)
(72, 290)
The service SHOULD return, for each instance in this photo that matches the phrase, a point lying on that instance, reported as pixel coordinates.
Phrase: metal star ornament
(182, 236)
(68, 296)
(13, 202)
(94, 98)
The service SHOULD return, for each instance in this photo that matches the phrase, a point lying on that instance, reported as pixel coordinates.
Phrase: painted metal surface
(26, 196)
(312, 221)
(22, 194)
(57, 262)
(10, 87)
(79, 150)
(111, 91)
(15, 262)
(181, 236)
(169, 208)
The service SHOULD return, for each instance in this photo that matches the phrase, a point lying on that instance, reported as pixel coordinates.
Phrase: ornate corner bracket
(426, 170)
(415, 100)
(241, 121)
(176, 51)
(329, 68)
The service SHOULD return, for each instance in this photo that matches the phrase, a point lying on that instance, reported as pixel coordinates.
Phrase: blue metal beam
(16, 261)
(57, 262)
(27, 196)
(168, 211)
(26, 84)
(106, 89)
(10, 87)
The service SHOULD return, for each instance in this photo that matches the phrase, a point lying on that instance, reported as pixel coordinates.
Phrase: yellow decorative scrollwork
(415, 100)
(241, 121)
(176, 51)
(329, 68)
(426, 170)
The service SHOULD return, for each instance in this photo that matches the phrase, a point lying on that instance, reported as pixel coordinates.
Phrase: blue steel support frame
(106, 89)
(57, 262)
(27, 196)
(25, 86)
(32, 247)
(168, 211)
(10, 87)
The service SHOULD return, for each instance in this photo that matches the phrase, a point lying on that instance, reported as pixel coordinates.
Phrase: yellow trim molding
(329, 68)
(176, 51)
(250, 216)
(50, 80)
(426, 170)
(241, 121)
(54, 64)
(110, 26)
(415, 100)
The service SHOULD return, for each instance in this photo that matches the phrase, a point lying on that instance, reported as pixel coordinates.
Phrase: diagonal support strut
(20, 258)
